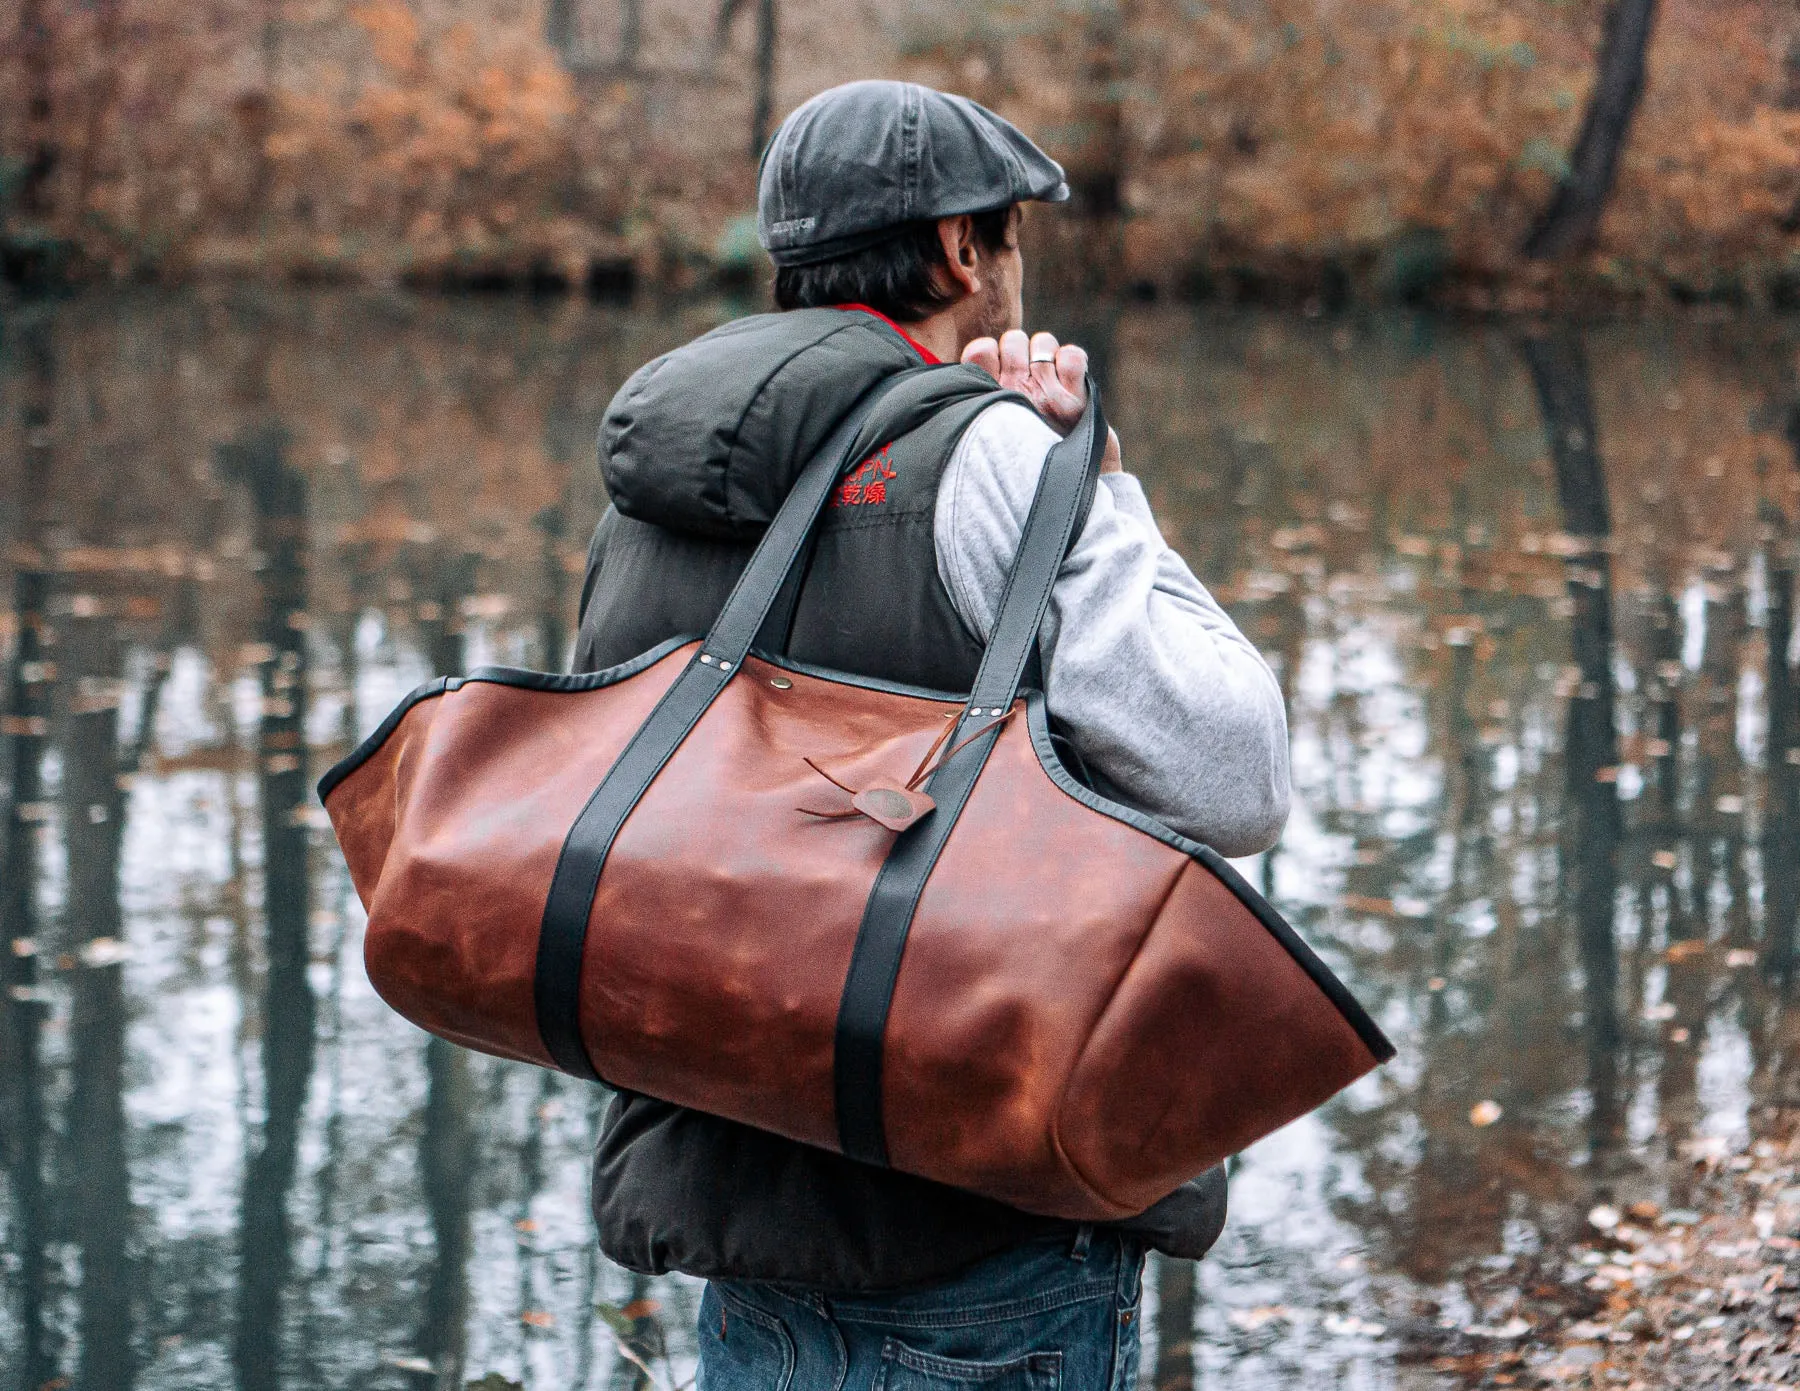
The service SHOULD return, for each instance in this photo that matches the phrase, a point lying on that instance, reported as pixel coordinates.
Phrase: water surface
(1530, 592)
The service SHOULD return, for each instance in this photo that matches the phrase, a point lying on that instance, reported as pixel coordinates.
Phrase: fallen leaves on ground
(1648, 1298)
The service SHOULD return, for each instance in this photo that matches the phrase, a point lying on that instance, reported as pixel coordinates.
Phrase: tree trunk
(1093, 239)
(1569, 223)
(40, 137)
(631, 32)
(764, 115)
(559, 28)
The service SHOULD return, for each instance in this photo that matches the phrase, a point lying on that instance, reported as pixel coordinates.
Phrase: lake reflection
(1530, 591)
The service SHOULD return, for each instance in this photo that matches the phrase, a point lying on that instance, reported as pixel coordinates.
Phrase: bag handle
(1064, 493)
(771, 573)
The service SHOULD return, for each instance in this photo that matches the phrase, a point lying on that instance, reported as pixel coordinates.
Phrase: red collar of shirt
(931, 358)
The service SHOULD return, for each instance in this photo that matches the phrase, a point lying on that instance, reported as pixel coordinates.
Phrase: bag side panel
(1034, 912)
(364, 805)
(1215, 1038)
(721, 934)
(484, 796)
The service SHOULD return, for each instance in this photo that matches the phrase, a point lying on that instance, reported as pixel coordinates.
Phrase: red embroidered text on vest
(868, 484)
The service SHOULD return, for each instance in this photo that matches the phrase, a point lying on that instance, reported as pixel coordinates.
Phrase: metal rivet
(724, 666)
(781, 683)
(705, 660)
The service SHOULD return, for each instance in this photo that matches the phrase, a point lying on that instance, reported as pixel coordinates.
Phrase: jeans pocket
(904, 1369)
(741, 1348)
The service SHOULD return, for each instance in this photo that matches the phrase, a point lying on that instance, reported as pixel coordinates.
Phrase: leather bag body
(657, 875)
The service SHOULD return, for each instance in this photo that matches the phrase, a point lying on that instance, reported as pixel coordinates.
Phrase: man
(892, 214)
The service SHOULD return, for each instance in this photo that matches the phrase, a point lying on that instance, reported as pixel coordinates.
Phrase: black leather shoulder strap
(1065, 491)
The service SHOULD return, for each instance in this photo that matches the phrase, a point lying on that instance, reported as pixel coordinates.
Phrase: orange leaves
(400, 137)
(393, 32)
(1297, 131)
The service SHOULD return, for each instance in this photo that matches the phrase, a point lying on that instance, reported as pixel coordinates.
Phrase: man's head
(904, 199)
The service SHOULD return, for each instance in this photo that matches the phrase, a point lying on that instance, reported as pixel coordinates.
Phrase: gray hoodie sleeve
(1148, 675)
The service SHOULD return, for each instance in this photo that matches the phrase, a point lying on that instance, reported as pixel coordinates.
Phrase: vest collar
(931, 358)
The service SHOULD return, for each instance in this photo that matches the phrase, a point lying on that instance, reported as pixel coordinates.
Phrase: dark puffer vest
(698, 450)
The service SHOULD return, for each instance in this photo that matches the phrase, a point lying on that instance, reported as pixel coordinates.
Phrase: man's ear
(962, 258)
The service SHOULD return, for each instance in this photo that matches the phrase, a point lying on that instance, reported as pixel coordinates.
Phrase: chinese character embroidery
(868, 483)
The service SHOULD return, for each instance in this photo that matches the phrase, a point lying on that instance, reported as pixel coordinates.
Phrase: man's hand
(1053, 378)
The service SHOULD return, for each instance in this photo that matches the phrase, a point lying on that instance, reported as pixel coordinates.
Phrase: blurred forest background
(1489, 153)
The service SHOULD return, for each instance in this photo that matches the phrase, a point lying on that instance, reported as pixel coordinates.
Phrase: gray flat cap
(855, 163)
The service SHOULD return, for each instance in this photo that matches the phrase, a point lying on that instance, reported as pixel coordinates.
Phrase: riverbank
(1654, 1298)
(1400, 150)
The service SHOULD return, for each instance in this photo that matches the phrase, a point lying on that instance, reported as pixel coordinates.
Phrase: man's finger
(1015, 355)
(985, 354)
(1071, 370)
(1043, 363)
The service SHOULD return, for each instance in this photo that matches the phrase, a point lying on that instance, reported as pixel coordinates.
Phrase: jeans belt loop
(1084, 1238)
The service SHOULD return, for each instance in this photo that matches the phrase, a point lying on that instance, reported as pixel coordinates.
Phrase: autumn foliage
(1397, 144)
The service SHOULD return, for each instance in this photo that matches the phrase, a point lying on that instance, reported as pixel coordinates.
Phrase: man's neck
(941, 333)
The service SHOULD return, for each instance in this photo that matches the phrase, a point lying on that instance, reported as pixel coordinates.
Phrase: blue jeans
(1052, 1315)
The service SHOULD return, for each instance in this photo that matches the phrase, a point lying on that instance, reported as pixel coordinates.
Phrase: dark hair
(893, 276)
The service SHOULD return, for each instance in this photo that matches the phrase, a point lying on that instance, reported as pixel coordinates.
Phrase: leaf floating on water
(1249, 1320)
(641, 1308)
(104, 951)
(1349, 1326)
(1664, 859)
(1485, 1113)
(538, 1318)
(1657, 1013)
(1604, 1218)
(1514, 1327)
(1740, 957)
(401, 1362)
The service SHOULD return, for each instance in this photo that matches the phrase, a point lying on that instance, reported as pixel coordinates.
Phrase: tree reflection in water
(1592, 824)
(1547, 818)
(278, 497)
(27, 725)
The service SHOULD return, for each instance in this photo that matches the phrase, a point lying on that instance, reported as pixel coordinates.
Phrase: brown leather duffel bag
(881, 920)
